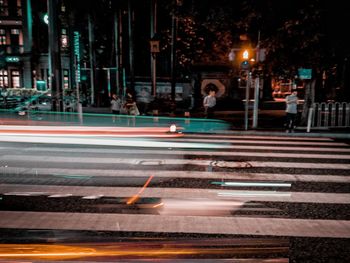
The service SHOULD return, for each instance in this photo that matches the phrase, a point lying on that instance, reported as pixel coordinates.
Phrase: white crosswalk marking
(256, 185)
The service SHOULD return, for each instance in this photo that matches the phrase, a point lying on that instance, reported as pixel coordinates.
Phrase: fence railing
(327, 115)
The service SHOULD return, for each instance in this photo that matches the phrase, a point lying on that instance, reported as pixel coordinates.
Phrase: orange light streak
(135, 197)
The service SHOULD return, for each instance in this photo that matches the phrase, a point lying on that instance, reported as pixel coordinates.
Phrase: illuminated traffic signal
(246, 54)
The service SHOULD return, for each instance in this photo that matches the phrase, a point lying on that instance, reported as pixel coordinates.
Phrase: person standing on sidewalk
(209, 103)
(116, 104)
(291, 110)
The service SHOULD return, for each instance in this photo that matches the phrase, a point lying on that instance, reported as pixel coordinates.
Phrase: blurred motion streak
(131, 249)
(133, 199)
(254, 193)
(89, 131)
(254, 184)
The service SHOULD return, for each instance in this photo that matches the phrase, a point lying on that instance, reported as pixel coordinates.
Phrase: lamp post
(245, 66)
(154, 47)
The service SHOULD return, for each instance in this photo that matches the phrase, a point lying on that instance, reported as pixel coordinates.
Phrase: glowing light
(173, 128)
(46, 19)
(135, 197)
(158, 205)
(245, 54)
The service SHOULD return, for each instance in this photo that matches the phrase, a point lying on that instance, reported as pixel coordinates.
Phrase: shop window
(15, 79)
(2, 37)
(4, 80)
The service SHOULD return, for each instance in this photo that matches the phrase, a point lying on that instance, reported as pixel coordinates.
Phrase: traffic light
(245, 63)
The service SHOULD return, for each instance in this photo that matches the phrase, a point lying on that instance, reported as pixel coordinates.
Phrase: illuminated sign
(305, 73)
(12, 59)
(46, 19)
(77, 55)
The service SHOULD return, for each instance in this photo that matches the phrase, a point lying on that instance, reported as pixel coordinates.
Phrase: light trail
(254, 184)
(179, 249)
(135, 197)
(89, 131)
(109, 142)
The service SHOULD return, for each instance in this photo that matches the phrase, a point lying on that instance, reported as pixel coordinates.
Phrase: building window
(15, 79)
(3, 37)
(15, 31)
(3, 8)
(15, 39)
(64, 38)
(65, 79)
(4, 80)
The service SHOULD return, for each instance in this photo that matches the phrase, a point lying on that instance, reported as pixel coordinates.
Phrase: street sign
(305, 73)
(77, 55)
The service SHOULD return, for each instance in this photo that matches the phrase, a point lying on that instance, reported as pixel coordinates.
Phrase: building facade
(24, 58)
(15, 44)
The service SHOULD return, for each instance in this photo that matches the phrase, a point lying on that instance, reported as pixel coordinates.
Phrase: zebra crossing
(207, 184)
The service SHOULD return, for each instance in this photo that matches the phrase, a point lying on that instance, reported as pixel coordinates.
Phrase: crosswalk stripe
(190, 152)
(80, 173)
(178, 224)
(257, 137)
(150, 162)
(280, 142)
(183, 193)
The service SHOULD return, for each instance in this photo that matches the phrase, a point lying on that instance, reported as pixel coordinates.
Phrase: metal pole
(154, 76)
(173, 54)
(131, 44)
(309, 119)
(246, 101)
(92, 60)
(77, 84)
(109, 81)
(54, 56)
(153, 56)
(256, 103)
(116, 48)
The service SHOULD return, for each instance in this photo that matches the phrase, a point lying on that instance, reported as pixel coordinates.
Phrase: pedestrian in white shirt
(291, 110)
(209, 103)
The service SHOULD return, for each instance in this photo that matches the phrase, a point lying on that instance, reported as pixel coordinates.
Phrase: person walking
(209, 103)
(131, 108)
(291, 110)
(116, 104)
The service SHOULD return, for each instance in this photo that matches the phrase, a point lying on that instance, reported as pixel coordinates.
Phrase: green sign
(12, 59)
(41, 85)
(77, 55)
(305, 73)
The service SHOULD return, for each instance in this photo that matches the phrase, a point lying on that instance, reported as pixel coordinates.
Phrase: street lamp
(245, 66)
(154, 47)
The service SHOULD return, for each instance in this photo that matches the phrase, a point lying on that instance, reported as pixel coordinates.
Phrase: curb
(284, 134)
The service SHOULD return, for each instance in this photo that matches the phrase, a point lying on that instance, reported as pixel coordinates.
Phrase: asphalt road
(196, 197)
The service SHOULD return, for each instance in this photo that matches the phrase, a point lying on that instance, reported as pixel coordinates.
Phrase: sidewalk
(270, 123)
